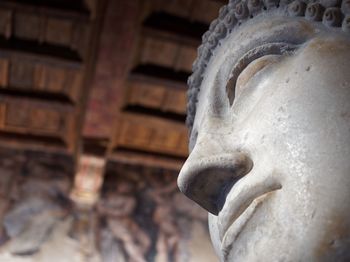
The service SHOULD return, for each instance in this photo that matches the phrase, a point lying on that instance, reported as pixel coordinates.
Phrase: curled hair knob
(212, 41)
(223, 12)
(314, 12)
(345, 7)
(254, 6)
(195, 79)
(332, 17)
(220, 31)
(206, 51)
(241, 11)
(230, 20)
(205, 36)
(297, 8)
(346, 24)
(213, 24)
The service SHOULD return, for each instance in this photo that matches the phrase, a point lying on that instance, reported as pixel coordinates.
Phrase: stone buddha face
(270, 139)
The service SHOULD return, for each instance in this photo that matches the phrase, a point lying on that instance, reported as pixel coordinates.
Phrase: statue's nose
(207, 180)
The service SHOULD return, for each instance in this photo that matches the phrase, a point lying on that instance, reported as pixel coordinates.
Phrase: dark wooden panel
(38, 32)
(151, 134)
(2, 115)
(147, 159)
(47, 120)
(161, 73)
(44, 68)
(183, 144)
(30, 123)
(158, 52)
(47, 26)
(134, 134)
(27, 26)
(49, 78)
(21, 74)
(32, 142)
(17, 115)
(185, 58)
(74, 85)
(58, 80)
(5, 22)
(167, 139)
(206, 10)
(175, 101)
(40, 77)
(24, 49)
(199, 10)
(71, 9)
(92, 6)
(37, 99)
(59, 31)
(171, 36)
(176, 25)
(176, 7)
(156, 96)
(4, 70)
(146, 95)
(80, 38)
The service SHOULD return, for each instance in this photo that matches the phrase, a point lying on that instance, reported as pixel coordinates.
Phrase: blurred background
(92, 130)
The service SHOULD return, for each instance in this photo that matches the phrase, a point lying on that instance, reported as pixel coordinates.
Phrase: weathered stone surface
(270, 140)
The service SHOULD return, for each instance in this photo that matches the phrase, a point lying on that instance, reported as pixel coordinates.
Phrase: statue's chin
(277, 228)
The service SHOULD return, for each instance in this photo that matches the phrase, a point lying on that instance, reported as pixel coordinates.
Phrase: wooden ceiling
(100, 76)
(46, 51)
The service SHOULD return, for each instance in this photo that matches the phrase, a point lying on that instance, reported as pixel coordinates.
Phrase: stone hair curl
(332, 13)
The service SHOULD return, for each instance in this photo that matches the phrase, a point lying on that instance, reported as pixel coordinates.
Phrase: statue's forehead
(263, 31)
(333, 15)
(318, 46)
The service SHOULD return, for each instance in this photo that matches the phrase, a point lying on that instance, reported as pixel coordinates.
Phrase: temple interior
(92, 130)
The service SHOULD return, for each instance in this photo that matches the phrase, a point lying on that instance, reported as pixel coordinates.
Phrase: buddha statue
(269, 120)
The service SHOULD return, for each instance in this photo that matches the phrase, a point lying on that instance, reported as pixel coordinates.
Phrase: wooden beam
(28, 6)
(150, 134)
(55, 104)
(90, 69)
(170, 36)
(146, 159)
(7, 50)
(175, 25)
(117, 42)
(157, 81)
(35, 143)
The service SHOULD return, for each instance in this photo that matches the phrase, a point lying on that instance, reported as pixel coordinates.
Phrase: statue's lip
(242, 200)
(234, 230)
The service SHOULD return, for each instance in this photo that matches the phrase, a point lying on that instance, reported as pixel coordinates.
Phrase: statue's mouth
(240, 205)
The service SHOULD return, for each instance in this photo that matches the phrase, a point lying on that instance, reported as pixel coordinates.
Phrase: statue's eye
(253, 62)
(253, 68)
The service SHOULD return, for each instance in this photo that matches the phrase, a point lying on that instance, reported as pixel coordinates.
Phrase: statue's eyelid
(249, 57)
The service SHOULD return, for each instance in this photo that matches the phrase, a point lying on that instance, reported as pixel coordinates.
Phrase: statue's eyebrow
(250, 56)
